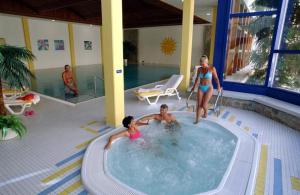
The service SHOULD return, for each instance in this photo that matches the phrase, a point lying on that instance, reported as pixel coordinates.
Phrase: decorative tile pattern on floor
(277, 186)
(74, 186)
(232, 118)
(262, 169)
(295, 183)
(58, 170)
(59, 177)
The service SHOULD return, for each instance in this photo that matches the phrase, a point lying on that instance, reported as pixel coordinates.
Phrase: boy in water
(162, 116)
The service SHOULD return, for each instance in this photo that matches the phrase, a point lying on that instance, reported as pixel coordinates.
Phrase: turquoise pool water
(49, 81)
(187, 160)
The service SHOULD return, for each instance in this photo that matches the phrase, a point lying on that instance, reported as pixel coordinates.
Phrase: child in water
(132, 131)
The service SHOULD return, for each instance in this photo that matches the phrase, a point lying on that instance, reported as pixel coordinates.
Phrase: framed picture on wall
(88, 45)
(59, 45)
(43, 44)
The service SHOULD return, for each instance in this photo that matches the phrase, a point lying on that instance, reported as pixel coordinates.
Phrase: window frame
(224, 16)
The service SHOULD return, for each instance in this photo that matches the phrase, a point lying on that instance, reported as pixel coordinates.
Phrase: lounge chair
(193, 77)
(13, 93)
(18, 106)
(168, 89)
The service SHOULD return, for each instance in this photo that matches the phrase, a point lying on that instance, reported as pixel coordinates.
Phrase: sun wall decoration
(168, 46)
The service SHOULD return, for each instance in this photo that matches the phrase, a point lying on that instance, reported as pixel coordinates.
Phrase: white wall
(46, 29)
(83, 32)
(11, 30)
(149, 40)
(149, 44)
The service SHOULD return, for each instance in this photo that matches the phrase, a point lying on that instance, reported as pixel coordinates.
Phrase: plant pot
(125, 62)
(10, 135)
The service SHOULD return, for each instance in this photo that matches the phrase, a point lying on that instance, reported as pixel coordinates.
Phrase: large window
(243, 6)
(286, 58)
(259, 47)
(249, 41)
(291, 32)
(287, 75)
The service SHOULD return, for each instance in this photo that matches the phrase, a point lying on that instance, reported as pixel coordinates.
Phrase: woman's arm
(115, 136)
(147, 118)
(196, 80)
(138, 123)
(215, 75)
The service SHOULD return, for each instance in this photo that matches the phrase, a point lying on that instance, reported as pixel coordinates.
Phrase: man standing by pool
(70, 85)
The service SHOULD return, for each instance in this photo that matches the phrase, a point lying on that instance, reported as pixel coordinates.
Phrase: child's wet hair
(127, 120)
(164, 106)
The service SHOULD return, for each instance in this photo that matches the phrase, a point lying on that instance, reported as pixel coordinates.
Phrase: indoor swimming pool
(90, 80)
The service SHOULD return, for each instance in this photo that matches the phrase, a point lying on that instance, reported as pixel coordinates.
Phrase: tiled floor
(48, 159)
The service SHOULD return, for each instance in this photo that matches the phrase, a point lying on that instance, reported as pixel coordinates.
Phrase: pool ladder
(217, 105)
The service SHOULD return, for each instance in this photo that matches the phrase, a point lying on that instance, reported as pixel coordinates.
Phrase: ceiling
(203, 8)
(136, 13)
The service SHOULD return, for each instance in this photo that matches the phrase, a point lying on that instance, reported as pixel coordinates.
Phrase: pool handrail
(216, 108)
(95, 83)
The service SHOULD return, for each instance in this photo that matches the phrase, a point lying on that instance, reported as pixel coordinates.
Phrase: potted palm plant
(15, 73)
(10, 127)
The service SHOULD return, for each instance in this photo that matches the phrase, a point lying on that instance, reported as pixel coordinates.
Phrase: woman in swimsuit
(131, 132)
(205, 88)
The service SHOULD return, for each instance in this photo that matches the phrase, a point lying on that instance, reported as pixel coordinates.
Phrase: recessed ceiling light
(208, 14)
(53, 20)
(91, 25)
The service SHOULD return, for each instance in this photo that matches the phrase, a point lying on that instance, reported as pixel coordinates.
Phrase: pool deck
(48, 159)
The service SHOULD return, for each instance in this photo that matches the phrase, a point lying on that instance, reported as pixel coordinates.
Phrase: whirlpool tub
(212, 157)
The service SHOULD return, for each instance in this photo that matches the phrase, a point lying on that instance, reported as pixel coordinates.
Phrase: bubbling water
(173, 159)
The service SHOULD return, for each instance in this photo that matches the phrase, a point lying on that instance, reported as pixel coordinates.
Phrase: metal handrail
(187, 101)
(217, 104)
(95, 83)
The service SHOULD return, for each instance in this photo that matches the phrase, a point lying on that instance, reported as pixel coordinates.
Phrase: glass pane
(287, 74)
(291, 32)
(241, 6)
(248, 49)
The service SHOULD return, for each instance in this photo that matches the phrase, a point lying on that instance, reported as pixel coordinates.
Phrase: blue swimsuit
(207, 75)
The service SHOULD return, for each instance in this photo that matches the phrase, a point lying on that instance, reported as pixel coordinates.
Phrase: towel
(147, 92)
(30, 98)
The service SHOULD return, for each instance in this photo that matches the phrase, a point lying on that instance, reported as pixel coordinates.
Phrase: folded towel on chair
(147, 92)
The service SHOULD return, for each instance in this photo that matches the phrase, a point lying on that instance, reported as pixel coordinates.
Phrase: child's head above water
(164, 106)
(164, 109)
(127, 121)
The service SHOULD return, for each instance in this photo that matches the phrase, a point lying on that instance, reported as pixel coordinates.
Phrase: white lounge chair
(11, 93)
(193, 77)
(18, 106)
(168, 89)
